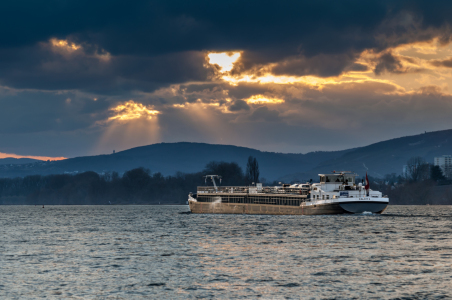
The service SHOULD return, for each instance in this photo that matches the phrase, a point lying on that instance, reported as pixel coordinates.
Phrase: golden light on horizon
(261, 99)
(12, 155)
(131, 110)
(225, 60)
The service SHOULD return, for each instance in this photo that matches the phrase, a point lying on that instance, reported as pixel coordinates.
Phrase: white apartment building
(445, 163)
(405, 171)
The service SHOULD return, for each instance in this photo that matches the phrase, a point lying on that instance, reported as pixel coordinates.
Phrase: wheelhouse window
(350, 180)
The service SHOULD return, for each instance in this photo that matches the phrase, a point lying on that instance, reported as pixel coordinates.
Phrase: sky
(85, 78)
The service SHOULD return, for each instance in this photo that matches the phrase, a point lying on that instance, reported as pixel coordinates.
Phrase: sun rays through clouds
(131, 110)
(224, 72)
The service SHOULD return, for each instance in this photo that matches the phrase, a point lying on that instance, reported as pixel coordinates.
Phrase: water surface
(124, 252)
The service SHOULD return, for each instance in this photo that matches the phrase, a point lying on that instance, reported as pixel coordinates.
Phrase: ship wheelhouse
(340, 185)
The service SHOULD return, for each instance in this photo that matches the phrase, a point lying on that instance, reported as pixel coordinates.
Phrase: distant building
(445, 163)
(405, 171)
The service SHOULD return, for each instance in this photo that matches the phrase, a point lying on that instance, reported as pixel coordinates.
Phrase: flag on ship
(367, 187)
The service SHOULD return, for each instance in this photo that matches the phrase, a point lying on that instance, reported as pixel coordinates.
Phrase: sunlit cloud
(131, 110)
(224, 60)
(407, 67)
(275, 79)
(66, 48)
(179, 105)
(132, 124)
(412, 66)
(12, 155)
(65, 45)
(261, 99)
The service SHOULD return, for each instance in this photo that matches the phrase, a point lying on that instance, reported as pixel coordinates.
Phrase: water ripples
(124, 252)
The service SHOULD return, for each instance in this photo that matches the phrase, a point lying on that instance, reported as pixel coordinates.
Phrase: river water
(163, 252)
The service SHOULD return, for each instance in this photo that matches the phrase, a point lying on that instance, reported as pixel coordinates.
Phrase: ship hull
(365, 206)
(265, 209)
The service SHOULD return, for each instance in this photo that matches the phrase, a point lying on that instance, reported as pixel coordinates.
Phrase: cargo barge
(336, 193)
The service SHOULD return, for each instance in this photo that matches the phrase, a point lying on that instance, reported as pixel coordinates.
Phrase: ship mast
(213, 180)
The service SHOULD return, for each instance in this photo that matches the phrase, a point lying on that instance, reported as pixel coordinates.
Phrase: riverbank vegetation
(421, 184)
(137, 186)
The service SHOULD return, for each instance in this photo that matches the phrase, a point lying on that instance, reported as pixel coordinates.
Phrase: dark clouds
(154, 52)
(388, 63)
(41, 67)
(320, 65)
(32, 112)
(239, 105)
(156, 43)
(443, 63)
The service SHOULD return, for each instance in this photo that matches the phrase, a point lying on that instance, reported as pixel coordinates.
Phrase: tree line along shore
(423, 184)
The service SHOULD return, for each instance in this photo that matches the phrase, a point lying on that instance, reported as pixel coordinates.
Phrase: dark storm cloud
(443, 63)
(320, 65)
(264, 114)
(387, 62)
(154, 53)
(39, 67)
(174, 26)
(32, 112)
(154, 43)
(239, 105)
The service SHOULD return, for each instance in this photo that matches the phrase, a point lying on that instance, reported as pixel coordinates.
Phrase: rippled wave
(125, 252)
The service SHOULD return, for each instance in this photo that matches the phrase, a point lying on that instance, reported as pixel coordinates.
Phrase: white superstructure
(341, 188)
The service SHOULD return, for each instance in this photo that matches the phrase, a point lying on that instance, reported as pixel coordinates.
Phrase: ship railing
(251, 190)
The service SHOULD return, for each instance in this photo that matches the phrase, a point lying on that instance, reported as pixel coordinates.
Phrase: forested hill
(169, 158)
(16, 161)
(385, 157)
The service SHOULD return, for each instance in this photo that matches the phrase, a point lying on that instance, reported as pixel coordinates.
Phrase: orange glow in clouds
(131, 110)
(64, 45)
(261, 99)
(224, 60)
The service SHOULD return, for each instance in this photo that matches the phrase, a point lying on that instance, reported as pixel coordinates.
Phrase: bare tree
(252, 170)
(417, 169)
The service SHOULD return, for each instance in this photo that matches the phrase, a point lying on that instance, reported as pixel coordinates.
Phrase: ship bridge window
(350, 179)
(331, 178)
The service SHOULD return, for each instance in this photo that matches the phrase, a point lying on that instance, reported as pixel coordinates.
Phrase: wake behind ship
(336, 193)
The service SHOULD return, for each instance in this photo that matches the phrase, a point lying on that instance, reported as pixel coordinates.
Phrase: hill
(16, 161)
(168, 158)
(384, 157)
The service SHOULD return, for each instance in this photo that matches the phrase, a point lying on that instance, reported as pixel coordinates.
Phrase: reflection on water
(127, 252)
